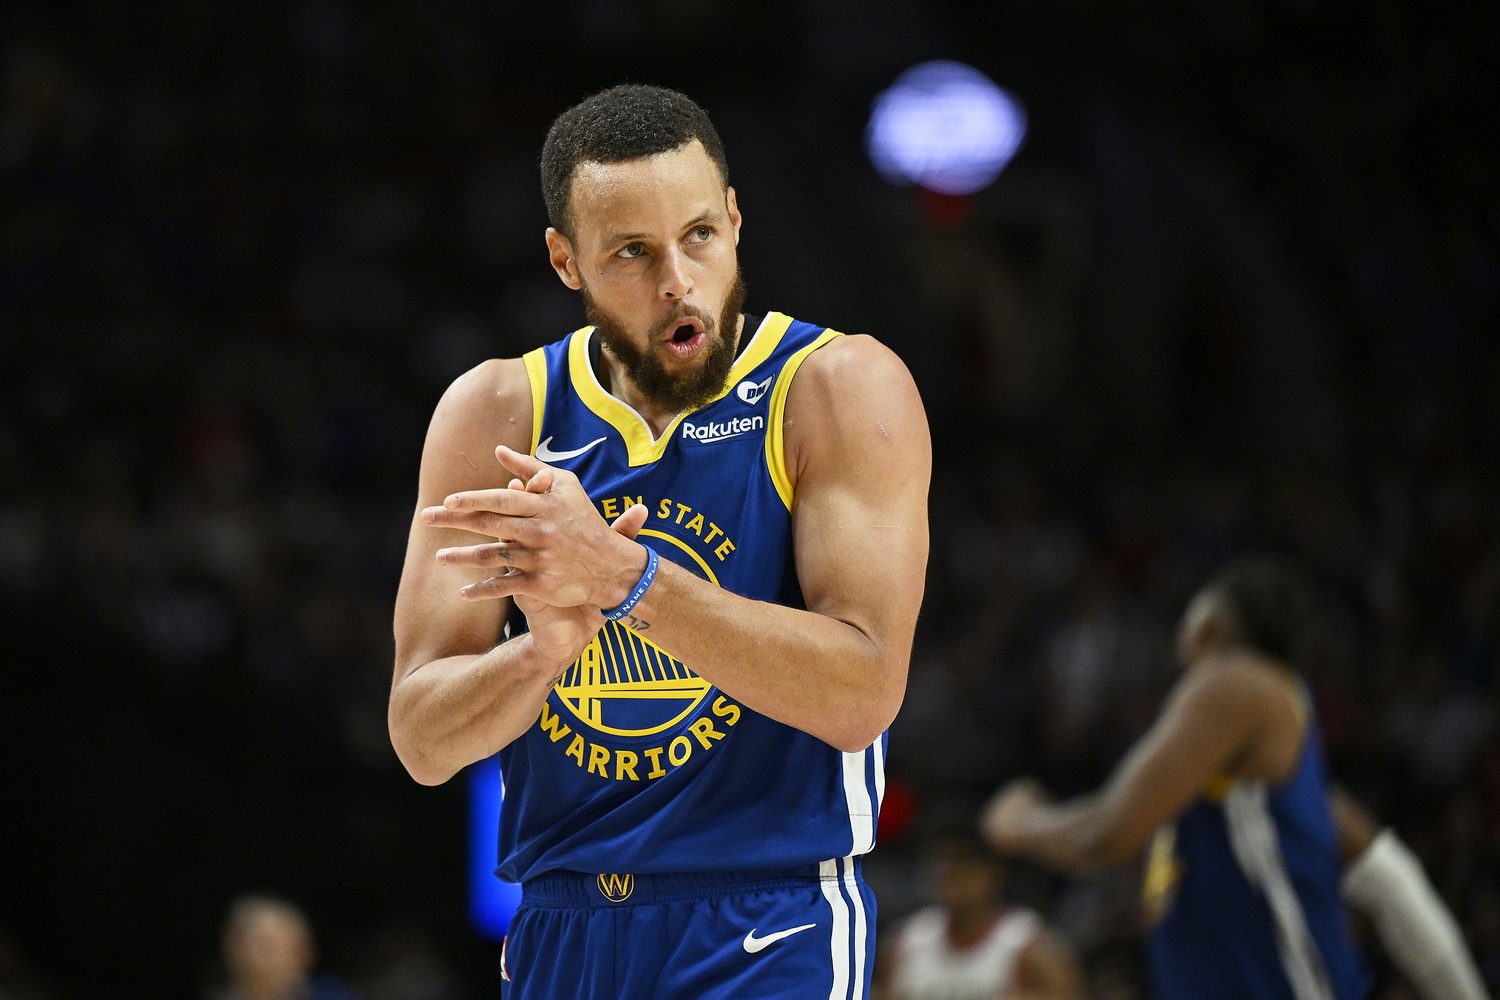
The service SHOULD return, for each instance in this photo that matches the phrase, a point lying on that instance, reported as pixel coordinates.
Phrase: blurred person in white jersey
(714, 526)
(1246, 883)
(968, 945)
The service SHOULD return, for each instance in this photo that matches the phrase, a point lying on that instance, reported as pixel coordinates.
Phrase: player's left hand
(553, 546)
(1005, 819)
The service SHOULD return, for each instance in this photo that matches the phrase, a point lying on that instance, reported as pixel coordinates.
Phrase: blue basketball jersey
(1244, 892)
(636, 763)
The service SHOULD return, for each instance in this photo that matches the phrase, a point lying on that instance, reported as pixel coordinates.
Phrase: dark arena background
(1238, 290)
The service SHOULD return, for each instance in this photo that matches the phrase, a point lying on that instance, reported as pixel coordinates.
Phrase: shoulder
(487, 405)
(1237, 678)
(854, 398)
(849, 364)
(1255, 696)
(497, 384)
(499, 389)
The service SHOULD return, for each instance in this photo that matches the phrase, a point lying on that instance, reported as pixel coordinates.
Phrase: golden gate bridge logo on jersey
(625, 685)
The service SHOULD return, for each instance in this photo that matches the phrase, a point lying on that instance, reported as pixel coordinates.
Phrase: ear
(734, 213)
(560, 253)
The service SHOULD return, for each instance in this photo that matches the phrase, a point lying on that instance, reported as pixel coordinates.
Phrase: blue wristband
(622, 609)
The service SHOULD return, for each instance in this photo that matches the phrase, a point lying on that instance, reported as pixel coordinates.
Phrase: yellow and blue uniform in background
(662, 830)
(1243, 892)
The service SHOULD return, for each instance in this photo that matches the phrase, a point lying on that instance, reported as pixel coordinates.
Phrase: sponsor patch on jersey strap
(754, 944)
(616, 888)
(722, 430)
(544, 452)
(751, 393)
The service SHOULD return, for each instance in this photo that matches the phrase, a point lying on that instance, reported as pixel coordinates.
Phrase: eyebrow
(708, 215)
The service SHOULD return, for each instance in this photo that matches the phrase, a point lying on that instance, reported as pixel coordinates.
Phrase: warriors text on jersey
(1244, 892)
(636, 763)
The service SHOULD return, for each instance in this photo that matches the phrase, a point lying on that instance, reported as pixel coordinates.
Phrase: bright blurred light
(491, 902)
(945, 126)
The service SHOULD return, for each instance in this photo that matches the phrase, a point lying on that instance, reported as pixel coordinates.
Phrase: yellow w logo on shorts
(616, 888)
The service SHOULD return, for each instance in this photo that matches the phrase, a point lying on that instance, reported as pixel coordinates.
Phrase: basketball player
(967, 946)
(1242, 881)
(714, 526)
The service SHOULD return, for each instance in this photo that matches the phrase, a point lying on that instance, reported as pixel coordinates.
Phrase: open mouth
(686, 339)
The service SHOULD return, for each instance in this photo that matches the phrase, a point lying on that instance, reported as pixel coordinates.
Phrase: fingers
(515, 503)
(494, 588)
(630, 522)
(501, 513)
(502, 526)
(542, 481)
(524, 466)
(488, 556)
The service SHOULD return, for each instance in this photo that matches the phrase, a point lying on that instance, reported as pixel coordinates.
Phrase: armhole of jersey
(775, 438)
(536, 374)
(1296, 693)
(1301, 701)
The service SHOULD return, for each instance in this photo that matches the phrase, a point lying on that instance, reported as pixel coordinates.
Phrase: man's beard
(675, 393)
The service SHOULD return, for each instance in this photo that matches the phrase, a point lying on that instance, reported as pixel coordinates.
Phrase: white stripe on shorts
(859, 927)
(839, 944)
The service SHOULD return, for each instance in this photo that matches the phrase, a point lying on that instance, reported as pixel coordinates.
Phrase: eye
(703, 234)
(631, 251)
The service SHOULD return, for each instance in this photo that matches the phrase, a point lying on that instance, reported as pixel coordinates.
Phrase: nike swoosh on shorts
(546, 454)
(754, 944)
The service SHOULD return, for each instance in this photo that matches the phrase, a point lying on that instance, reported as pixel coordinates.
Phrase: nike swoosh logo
(754, 944)
(546, 454)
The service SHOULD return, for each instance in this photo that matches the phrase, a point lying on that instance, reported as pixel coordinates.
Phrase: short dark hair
(1271, 604)
(627, 122)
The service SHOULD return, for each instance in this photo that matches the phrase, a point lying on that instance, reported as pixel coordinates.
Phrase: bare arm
(1211, 725)
(860, 459)
(1047, 970)
(457, 696)
(1354, 827)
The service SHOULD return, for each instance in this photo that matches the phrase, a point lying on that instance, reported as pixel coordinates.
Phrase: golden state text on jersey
(636, 763)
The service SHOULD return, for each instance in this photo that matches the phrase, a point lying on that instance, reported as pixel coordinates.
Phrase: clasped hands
(550, 543)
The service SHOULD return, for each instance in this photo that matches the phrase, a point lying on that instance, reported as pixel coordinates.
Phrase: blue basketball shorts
(789, 934)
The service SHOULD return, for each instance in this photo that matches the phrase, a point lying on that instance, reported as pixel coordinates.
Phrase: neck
(619, 385)
(966, 924)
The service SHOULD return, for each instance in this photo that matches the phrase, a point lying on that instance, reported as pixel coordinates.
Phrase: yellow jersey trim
(536, 374)
(683, 546)
(641, 447)
(775, 439)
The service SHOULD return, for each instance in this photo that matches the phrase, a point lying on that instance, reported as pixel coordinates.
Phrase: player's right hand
(560, 635)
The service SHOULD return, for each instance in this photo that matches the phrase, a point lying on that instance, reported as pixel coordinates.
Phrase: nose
(674, 281)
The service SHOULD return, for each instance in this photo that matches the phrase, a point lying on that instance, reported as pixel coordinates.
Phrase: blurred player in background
(969, 946)
(1242, 883)
(269, 954)
(715, 526)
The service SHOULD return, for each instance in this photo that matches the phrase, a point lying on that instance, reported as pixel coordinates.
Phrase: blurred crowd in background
(1240, 291)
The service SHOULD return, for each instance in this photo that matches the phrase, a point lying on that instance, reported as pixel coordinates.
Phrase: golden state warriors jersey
(636, 763)
(1243, 893)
